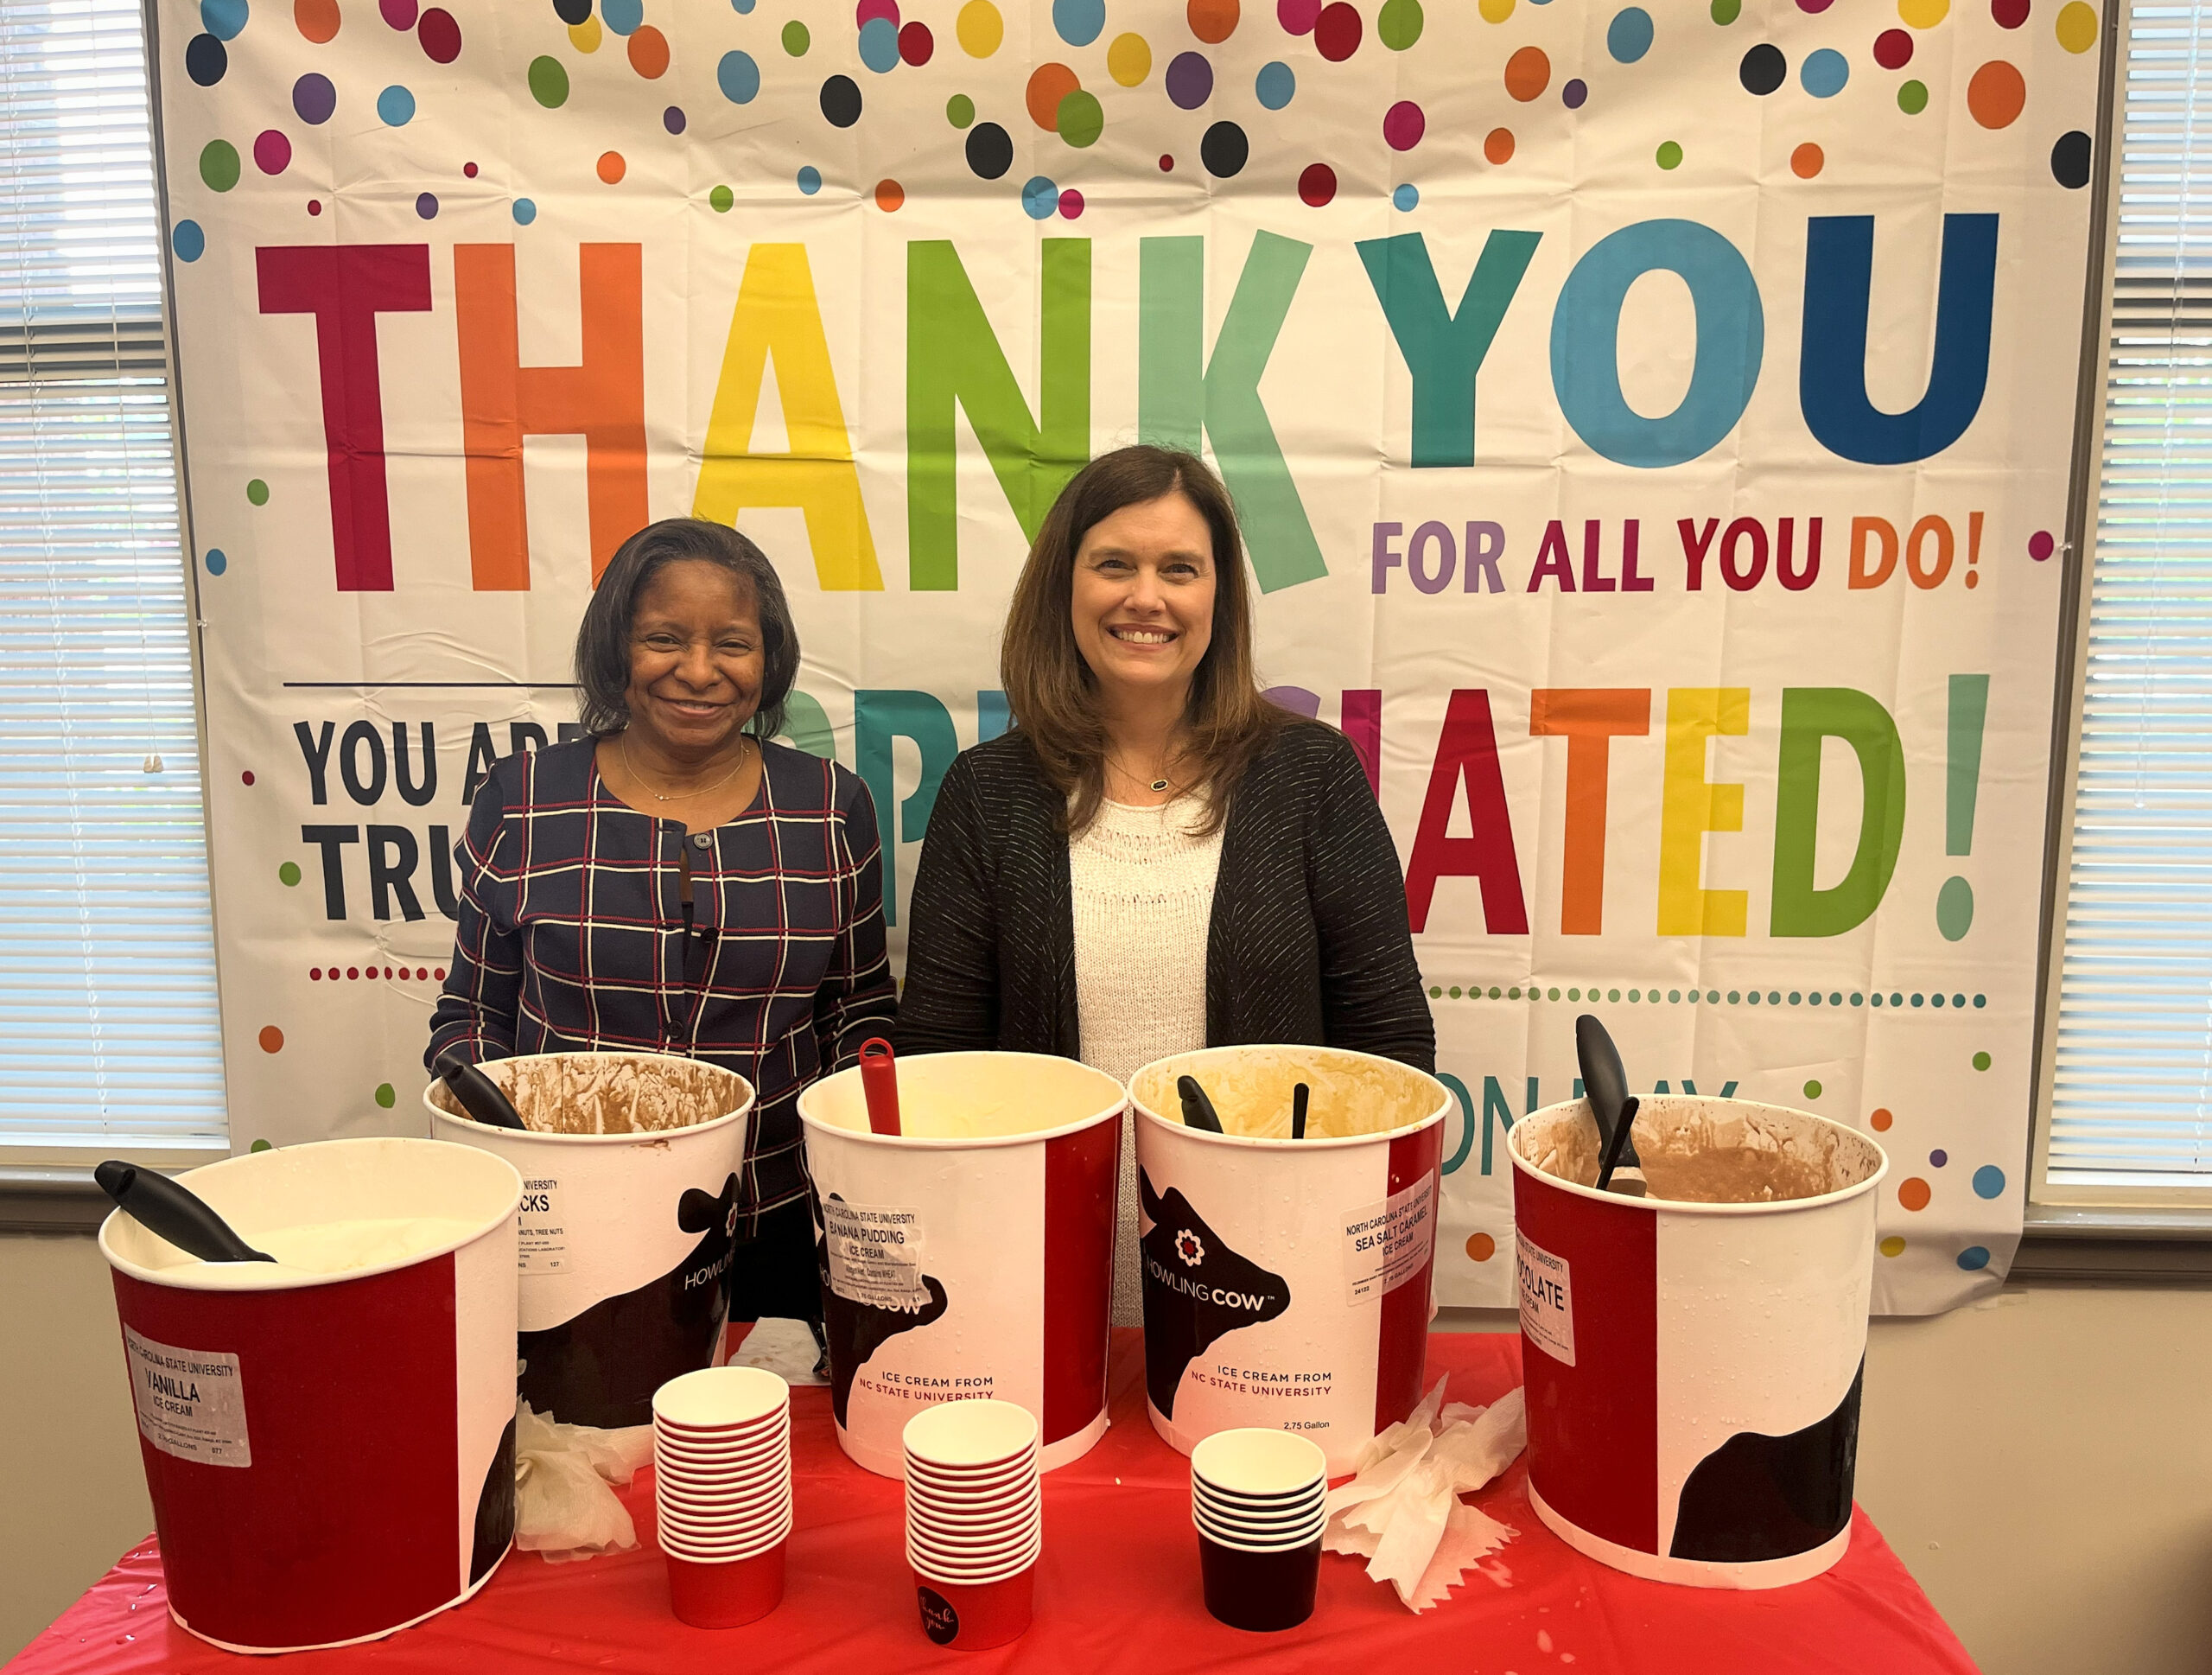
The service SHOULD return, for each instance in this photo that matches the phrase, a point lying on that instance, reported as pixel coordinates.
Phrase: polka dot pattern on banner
(1189, 80)
(1212, 20)
(257, 491)
(439, 36)
(1078, 21)
(1975, 1258)
(1399, 24)
(673, 119)
(1996, 94)
(1527, 72)
(960, 109)
(205, 61)
(648, 52)
(1824, 72)
(399, 13)
(1915, 1193)
(889, 196)
(1923, 14)
(1080, 120)
(272, 151)
(1040, 198)
(1224, 151)
(809, 181)
(1725, 12)
(796, 38)
(1893, 50)
(2077, 26)
(1316, 185)
(990, 150)
(1336, 31)
(2069, 167)
(314, 99)
(1128, 60)
(526, 211)
(612, 167)
(1275, 85)
(1669, 156)
(288, 874)
(1892, 1246)
(1629, 37)
(1404, 126)
(1498, 148)
(1806, 161)
(426, 206)
(1297, 16)
(1048, 85)
(2009, 14)
(271, 1038)
(739, 77)
(1481, 1247)
(317, 21)
(219, 165)
(722, 199)
(2040, 546)
(1071, 204)
(916, 45)
(841, 101)
(217, 561)
(1762, 69)
(1405, 197)
(880, 45)
(586, 37)
(979, 28)
(1574, 94)
(1912, 97)
(396, 105)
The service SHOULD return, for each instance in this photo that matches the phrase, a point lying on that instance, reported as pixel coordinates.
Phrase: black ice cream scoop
(479, 1095)
(1198, 1109)
(174, 1212)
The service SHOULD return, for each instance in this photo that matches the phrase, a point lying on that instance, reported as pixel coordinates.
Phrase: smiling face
(1142, 597)
(696, 659)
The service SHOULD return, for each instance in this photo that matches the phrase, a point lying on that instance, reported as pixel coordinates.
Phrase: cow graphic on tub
(1197, 1290)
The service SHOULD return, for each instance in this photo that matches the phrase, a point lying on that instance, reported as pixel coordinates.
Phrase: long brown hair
(1050, 688)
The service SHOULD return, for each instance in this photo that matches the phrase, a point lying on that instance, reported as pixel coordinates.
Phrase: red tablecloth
(1117, 1589)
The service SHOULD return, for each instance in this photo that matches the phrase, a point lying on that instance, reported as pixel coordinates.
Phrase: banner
(1651, 429)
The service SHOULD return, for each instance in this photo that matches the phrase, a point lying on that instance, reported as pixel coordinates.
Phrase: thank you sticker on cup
(1387, 1242)
(875, 1253)
(939, 1621)
(191, 1402)
(1547, 1300)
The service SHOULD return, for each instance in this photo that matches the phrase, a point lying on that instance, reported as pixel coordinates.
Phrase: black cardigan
(1308, 942)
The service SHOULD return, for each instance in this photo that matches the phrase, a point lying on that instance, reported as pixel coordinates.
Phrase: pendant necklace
(622, 747)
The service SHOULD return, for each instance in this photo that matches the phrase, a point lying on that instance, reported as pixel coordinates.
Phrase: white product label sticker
(1546, 1299)
(875, 1253)
(1387, 1243)
(191, 1402)
(542, 1231)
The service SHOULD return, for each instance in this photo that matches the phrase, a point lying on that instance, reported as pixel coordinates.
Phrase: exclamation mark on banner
(1969, 707)
(1973, 580)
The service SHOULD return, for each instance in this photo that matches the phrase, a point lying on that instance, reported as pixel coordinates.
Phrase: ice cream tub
(972, 1253)
(627, 1225)
(1693, 1356)
(328, 1439)
(1286, 1281)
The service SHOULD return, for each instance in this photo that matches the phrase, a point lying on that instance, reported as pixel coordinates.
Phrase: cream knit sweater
(1141, 891)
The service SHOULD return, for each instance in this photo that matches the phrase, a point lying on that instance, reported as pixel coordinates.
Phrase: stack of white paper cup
(1259, 1499)
(722, 1491)
(975, 1519)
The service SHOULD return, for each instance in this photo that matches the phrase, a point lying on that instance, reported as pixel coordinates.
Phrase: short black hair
(603, 638)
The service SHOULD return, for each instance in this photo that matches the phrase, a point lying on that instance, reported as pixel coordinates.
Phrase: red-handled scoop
(879, 1082)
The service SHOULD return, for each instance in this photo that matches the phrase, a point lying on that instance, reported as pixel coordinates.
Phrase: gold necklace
(622, 745)
(1160, 784)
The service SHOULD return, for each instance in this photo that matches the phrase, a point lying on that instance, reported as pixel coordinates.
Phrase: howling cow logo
(1760, 1497)
(857, 1330)
(1196, 1290)
(602, 1367)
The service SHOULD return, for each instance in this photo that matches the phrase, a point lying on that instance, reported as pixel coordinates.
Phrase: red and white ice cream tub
(331, 1455)
(972, 1254)
(1286, 1283)
(1693, 1366)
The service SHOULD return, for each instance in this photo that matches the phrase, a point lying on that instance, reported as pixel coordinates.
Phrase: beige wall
(2042, 1462)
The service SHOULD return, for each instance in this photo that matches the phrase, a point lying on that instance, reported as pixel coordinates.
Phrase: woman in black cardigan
(1156, 858)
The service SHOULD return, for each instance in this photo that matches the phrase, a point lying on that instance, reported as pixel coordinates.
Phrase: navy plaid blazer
(571, 934)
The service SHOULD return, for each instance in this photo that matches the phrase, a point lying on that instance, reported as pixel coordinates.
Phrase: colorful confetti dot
(1881, 1120)
(1915, 1193)
(1981, 1062)
(1628, 37)
(1048, 85)
(1212, 20)
(796, 38)
(586, 37)
(649, 51)
(1275, 85)
(980, 28)
(673, 119)
(623, 16)
(1078, 21)
(2069, 167)
(317, 21)
(219, 165)
(1574, 94)
(1316, 185)
(1975, 1258)
(399, 13)
(1938, 1158)
(1824, 72)
(1167, 163)
(439, 36)
(1527, 72)
(1892, 1246)
(2077, 26)
(205, 59)
(1224, 151)
(314, 98)
(880, 45)
(1071, 204)
(272, 151)
(1336, 30)
(257, 491)
(1399, 24)
(396, 105)
(217, 561)
(1496, 11)
(271, 1039)
(739, 78)
(1669, 156)
(916, 45)
(722, 199)
(1497, 146)
(865, 11)
(1190, 80)
(1923, 14)
(612, 167)
(1128, 60)
(1812, 1090)
(810, 181)
(990, 150)
(1996, 94)
(889, 195)
(1762, 69)
(2040, 544)
(1912, 97)
(2009, 14)
(1814, 5)
(1806, 161)
(1405, 197)
(1726, 11)
(261, 1145)
(1403, 124)
(1040, 198)
(386, 1095)
(1893, 50)
(426, 206)
(526, 211)
(960, 109)
(1297, 16)
(288, 874)
(841, 101)
(1481, 1247)
(1080, 120)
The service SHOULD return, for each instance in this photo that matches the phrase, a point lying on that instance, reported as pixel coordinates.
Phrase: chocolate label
(1547, 1300)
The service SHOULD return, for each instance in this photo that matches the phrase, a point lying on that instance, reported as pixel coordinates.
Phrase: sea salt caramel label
(1547, 1300)
(875, 1253)
(191, 1402)
(1387, 1242)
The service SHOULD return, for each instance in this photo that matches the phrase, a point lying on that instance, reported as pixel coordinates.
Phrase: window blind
(107, 966)
(2131, 1096)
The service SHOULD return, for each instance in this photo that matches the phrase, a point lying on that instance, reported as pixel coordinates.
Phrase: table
(1117, 1589)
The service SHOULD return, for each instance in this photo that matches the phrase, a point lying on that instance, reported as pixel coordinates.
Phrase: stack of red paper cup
(722, 1490)
(975, 1519)
(1259, 1499)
